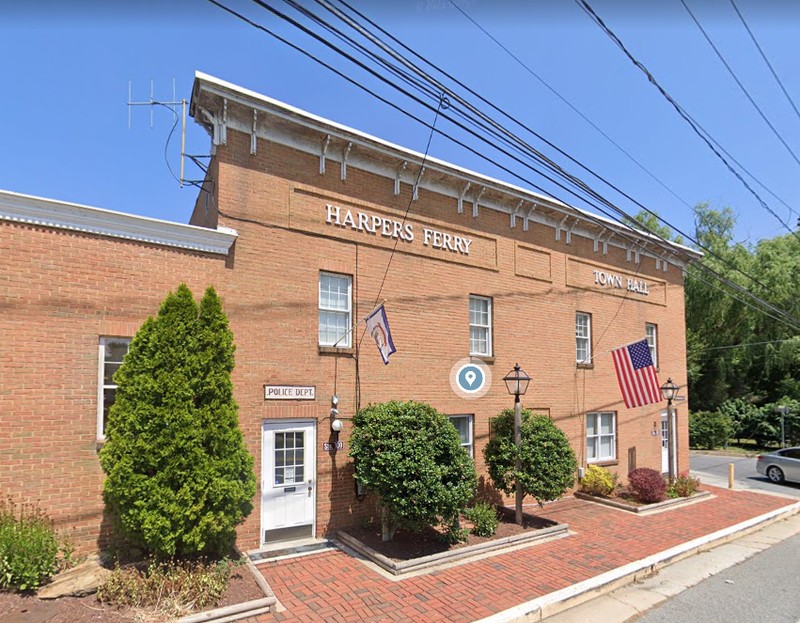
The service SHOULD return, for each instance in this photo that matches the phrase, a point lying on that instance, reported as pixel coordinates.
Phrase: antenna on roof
(171, 105)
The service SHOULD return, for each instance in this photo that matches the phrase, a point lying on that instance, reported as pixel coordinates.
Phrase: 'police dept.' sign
(290, 392)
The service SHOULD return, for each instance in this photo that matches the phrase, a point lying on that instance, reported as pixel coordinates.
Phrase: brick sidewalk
(333, 586)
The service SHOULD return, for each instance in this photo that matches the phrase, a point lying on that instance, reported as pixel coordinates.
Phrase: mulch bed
(407, 545)
(16, 608)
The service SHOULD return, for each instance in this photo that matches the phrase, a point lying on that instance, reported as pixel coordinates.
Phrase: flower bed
(625, 501)
(413, 551)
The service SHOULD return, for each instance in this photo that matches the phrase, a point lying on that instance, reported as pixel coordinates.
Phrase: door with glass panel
(288, 482)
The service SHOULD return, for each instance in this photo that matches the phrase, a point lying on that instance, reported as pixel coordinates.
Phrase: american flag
(636, 374)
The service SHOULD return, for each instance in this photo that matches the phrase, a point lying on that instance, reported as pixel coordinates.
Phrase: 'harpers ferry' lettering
(391, 228)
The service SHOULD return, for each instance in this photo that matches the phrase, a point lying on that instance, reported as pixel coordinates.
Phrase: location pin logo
(470, 376)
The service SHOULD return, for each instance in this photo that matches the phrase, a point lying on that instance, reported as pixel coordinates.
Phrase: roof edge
(43, 212)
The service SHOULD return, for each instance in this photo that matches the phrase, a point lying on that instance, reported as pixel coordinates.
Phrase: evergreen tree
(179, 476)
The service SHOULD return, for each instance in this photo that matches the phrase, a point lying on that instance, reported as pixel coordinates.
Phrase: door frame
(311, 457)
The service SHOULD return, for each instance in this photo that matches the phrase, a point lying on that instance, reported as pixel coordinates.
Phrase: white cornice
(43, 212)
(586, 224)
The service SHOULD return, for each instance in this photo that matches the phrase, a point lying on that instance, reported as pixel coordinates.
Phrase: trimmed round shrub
(598, 481)
(411, 456)
(548, 461)
(648, 485)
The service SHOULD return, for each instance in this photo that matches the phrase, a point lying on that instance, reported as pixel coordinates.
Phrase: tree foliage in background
(709, 429)
(548, 461)
(411, 456)
(179, 476)
(733, 350)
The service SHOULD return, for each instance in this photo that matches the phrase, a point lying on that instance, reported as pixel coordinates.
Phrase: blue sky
(66, 68)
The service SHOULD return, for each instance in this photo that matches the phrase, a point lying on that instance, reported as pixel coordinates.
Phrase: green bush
(179, 476)
(683, 486)
(411, 456)
(598, 481)
(169, 588)
(28, 547)
(484, 519)
(709, 429)
(548, 462)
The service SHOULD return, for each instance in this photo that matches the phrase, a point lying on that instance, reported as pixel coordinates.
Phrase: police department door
(288, 480)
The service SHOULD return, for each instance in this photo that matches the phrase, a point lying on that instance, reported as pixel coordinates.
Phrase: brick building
(302, 226)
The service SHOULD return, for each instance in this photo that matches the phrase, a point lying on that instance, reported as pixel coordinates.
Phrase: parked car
(780, 465)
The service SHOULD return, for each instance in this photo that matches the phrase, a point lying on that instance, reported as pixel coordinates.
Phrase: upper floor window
(480, 325)
(335, 310)
(112, 351)
(583, 338)
(651, 331)
(601, 436)
(463, 424)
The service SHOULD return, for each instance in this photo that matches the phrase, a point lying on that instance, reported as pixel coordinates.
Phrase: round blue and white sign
(470, 378)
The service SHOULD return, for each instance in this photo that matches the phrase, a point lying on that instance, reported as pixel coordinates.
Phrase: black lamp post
(517, 383)
(669, 390)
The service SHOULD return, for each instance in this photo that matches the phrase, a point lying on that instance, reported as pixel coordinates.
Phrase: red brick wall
(277, 267)
(62, 291)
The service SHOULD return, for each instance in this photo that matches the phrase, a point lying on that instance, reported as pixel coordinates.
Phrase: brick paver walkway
(332, 586)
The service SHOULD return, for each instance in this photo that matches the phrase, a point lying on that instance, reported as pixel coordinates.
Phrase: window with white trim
(480, 325)
(651, 332)
(463, 424)
(583, 338)
(335, 310)
(112, 350)
(601, 436)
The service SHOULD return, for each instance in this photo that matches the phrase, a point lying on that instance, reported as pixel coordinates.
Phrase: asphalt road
(762, 589)
(713, 469)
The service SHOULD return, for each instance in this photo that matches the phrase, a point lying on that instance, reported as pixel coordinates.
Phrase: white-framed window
(111, 352)
(480, 325)
(583, 338)
(651, 331)
(463, 424)
(601, 436)
(335, 310)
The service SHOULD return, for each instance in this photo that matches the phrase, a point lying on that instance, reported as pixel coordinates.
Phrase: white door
(664, 443)
(288, 480)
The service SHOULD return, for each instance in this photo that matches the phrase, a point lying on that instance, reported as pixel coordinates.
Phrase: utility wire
(568, 103)
(699, 130)
(406, 112)
(439, 85)
(739, 82)
(766, 60)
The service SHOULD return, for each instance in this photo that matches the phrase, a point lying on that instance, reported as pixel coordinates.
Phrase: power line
(748, 345)
(766, 60)
(568, 103)
(698, 129)
(739, 82)
(517, 122)
(403, 110)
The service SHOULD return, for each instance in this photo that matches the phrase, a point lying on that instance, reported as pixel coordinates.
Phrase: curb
(547, 605)
(459, 555)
